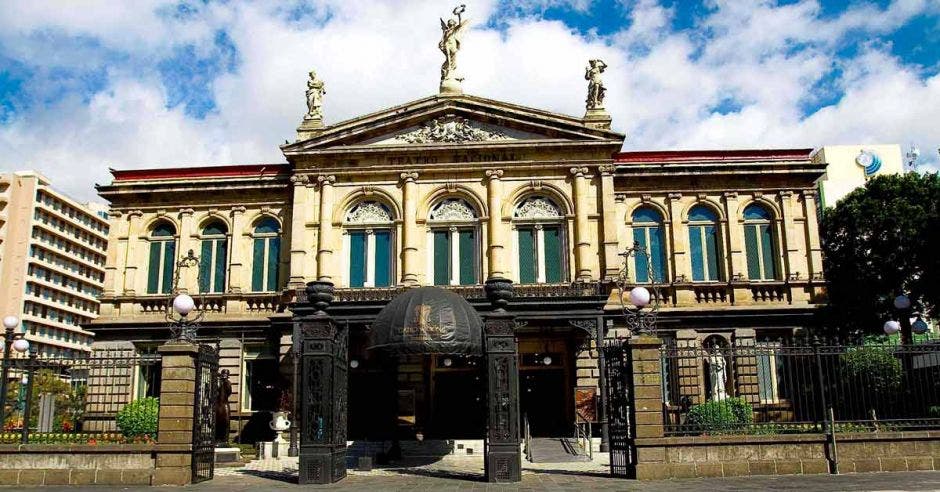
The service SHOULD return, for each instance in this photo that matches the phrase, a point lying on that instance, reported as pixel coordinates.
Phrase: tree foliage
(139, 418)
(880, 241)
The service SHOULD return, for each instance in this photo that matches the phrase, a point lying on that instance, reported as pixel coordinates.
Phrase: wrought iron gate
(207, 384)
(619, 401)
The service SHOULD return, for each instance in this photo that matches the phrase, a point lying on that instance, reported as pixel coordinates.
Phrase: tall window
(759, 243)
(539, 241)
(368, 239)
(162, 258)
(648, 233)
(454, 255)
(703, 243)
(213, 257)
(266, 252)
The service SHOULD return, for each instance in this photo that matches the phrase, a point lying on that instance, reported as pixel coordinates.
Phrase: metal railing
(527, 437)
(582, 435)
(53, 399)
(774, 388)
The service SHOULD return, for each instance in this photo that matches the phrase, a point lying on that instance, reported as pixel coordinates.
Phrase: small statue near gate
(222, 412)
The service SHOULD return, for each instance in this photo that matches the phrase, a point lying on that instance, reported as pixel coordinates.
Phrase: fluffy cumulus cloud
(155, 83)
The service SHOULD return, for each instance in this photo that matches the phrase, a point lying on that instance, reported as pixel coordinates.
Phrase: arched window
(265, 255)
(759, 243)
(539, 240)
(648, 233)
(213, 257)
(368, 239)
(162, 258)
(703, 244)
(452, 243)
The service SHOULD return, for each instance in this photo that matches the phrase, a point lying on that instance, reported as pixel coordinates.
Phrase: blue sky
(155, 83)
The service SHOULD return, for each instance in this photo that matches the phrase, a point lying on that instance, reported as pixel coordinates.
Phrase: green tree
(880, 241)
(69, 401)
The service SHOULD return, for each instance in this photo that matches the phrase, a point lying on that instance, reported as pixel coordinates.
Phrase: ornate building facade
(450, 190)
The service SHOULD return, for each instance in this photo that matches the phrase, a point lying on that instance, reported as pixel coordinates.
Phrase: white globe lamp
(919, 326)
(354, 363)
(11, 322)
(640, 297)
(21, 345)
(892, 327)
(902, 302)
(184, 304)
(547, 360)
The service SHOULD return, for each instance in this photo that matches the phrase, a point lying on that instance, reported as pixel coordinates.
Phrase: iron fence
(54, 399)
(771, 387)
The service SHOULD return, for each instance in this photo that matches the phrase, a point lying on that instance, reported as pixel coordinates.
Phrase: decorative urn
(279, 424)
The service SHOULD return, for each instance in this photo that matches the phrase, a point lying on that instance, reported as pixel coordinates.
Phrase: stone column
(737, 264)
(411, 263)
(793, 264)
(237, 252)
(325, 269)
(133, 238)
(497, 247)
(814, 255)
(117, 251)
(581, 233)
(679, 236)
(298, 250)
(175, 424)
(323, 389)
(611, 223)
(503, 460)
(188, 274)
(647, 386)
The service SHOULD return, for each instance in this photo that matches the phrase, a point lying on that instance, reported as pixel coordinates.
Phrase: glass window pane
(468, 257)
(767, 250)
(702, 213)
(756, 212)
(640, 264)
(357, 258)
(257, 266)
(658, 253)
(205, 266)
(751, 247)
(765, 380)
(527, 256)
(221, 252)
(711, 245)
(169, 262)
(267, 225)
(698, 260)
(382, 258)
(442, 257)
(553, 260)
(153, 273)
(646, 215)
(274, 255)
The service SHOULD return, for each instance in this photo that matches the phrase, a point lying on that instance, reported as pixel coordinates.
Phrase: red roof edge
(713, 155)
(200, 172)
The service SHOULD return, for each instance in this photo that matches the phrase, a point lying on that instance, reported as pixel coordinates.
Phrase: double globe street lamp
(902, 304)
(12, 341)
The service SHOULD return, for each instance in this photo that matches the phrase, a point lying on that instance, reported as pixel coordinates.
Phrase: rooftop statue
(315, 91)
(452, 29)
(596, 89)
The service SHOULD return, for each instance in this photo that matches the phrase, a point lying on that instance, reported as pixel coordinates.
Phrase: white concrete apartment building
(52, 256)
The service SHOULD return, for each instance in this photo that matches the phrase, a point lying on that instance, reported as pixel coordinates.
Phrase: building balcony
(229, 305)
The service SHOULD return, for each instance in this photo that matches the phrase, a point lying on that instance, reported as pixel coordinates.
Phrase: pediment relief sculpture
(449, 129)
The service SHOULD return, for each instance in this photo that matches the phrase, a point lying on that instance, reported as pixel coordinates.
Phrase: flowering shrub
(139, 418)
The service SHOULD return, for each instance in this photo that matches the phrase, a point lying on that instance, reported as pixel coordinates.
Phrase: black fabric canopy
(427, 320)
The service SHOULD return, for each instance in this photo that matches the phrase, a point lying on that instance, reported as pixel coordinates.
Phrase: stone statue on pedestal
(452, 29)
(716, 373)
(315, 91)
(596, 89)
(222, 412)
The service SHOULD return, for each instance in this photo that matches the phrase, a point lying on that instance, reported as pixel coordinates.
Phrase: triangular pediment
(450, 120)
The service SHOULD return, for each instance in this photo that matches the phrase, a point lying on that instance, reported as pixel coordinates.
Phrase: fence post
(647, 386)
(827, 425)
(175, 427)
(27, 407)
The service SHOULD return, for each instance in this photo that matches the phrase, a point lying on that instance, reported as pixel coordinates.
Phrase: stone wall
(729, 456)
(49, 464)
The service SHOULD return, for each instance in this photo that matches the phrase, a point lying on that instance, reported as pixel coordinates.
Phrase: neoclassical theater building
(450, 190)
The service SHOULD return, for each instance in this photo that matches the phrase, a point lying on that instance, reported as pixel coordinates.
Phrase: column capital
(186, 211)
(115, 214)
(620, 197)
(494, 174)
(238, 209)
(606, 169)
(409, 176)
(731, 195)
(810, 193)
(785, 193)
(300, 179)
(757, 194)
(578, 172)
(674, 196)
(326, 179)
(134, 213)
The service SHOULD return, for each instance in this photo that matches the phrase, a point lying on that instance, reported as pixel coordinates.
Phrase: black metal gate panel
(619, 400)
(207, 384)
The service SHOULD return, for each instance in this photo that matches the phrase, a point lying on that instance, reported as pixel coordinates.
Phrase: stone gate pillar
(503, 460)
(323, 389)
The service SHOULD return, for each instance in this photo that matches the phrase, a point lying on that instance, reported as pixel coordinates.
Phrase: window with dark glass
(162, 258)
(703, 244)
(213, 258)
(539, 241)
(266, 251)
(648, 234)
(759, 243)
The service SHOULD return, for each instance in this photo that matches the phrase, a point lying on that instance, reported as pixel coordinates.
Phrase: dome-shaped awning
(427, 320)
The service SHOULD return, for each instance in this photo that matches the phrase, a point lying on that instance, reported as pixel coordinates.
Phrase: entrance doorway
(544, 400)
(458, 410)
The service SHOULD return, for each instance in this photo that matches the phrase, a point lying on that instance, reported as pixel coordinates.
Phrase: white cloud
(663, 86)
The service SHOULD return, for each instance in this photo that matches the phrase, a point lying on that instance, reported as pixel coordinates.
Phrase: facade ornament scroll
(237, 209)
(537, 208)
(606, 169)
(408, 176)
(646, 198)
(758, 195)
(115, 214)
(494, 173)
(620, 198)
(325, 180)
(674, 196)
(578, 172)
(300, 179)
(453, 210)
(785, 194)
(730, 194)
(368, 213)
(449, 129)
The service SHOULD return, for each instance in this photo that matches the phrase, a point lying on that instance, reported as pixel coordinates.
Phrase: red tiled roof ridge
(227, 170)
(713, 155)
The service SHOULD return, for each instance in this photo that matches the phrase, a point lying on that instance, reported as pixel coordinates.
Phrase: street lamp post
(183, 327)
(639, 319)
(902, 304)
(11, 341)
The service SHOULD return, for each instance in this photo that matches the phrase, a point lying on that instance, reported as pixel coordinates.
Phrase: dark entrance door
(619, 397)
(459, 406)
(544, 400)
(371, 409)
(207, 386)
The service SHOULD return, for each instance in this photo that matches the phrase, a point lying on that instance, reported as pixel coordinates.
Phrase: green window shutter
(658, 254)
(711, 245)
(257, 266)
(698, 260)
(553, 259)
(274, 257)
(357, 258)
(467, 251)
(382, 256)
(765, 381)
(153, 273)
(639, 260)
(169, 265)
(527, 256)
(767, 250)
(442, 257)
(221, 255)
(750, 245)
(205, 265)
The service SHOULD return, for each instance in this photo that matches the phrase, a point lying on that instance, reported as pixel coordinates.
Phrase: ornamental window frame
(698, 227)
(270, 244)
(754, 246)
(374, 220)
(454, 217)
(160, 281)
(218, 243)
(539, 212)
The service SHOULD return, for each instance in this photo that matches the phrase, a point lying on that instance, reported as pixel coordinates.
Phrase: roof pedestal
(309, 128)
(597, 118)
